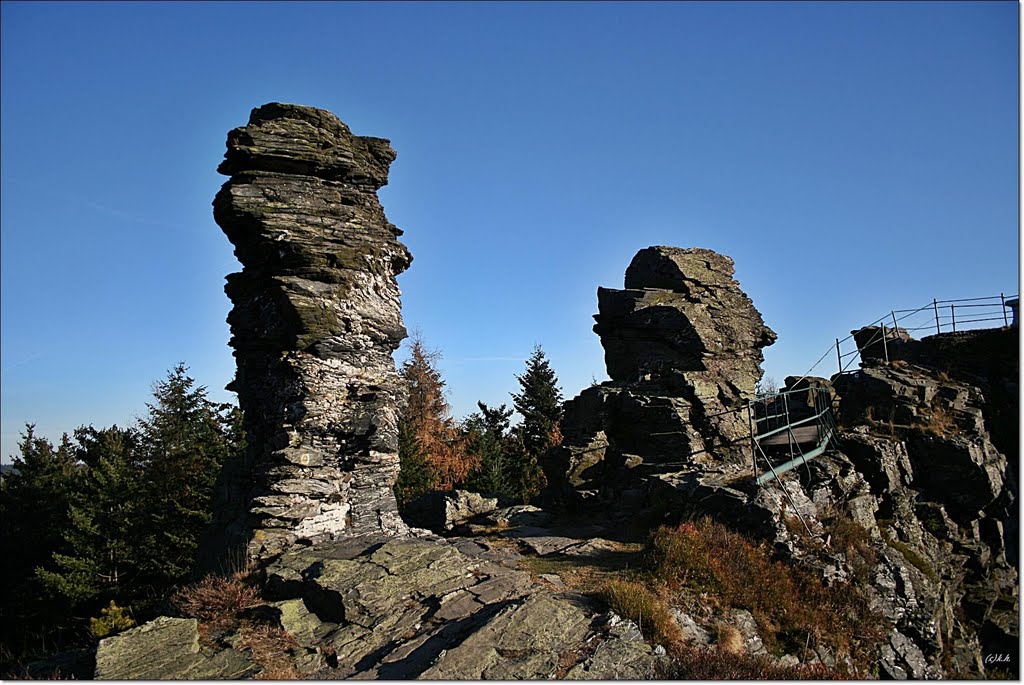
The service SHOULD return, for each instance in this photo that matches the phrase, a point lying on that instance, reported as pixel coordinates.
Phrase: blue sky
(851, 157)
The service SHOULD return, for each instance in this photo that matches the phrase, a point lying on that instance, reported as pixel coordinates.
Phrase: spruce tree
(101, 555)
(186, 440)
(487, 432)
(539, 402)
(34, 513)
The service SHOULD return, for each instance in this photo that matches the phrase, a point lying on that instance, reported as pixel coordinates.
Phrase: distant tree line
(484, 453)
(99, 529)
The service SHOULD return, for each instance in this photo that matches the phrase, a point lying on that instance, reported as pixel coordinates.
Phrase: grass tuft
(217, 602)
(707, 663)
(271, 648)
(635, 601)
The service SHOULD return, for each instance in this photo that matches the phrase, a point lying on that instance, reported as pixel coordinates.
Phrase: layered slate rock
(315, 321)
(167, 649)
(396, 609)
(683, 347)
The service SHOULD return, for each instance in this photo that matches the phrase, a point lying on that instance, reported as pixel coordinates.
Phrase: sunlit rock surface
(315, 321)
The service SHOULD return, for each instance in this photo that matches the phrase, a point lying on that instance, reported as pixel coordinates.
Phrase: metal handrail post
(789, 432)
(839, 356)
(952, 314)
(895, 323)
(885, 345)
(935, 304)
(753, 440)
(1002, 298)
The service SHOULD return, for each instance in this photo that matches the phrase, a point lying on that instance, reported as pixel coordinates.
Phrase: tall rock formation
(315, 321)
(683, 347)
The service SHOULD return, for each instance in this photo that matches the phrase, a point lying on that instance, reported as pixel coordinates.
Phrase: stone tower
(683, 347)
(315, 321)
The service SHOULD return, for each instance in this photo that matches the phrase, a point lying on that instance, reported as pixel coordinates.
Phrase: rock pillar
(683, 347)
(315, 321)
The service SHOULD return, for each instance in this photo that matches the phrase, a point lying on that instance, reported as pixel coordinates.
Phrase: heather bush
(792, 608)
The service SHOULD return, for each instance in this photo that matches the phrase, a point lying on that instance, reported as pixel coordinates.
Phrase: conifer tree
(34, 513)
(187, 438)
(487, 432)
(431, 450)
(101, 556)
(539, 402)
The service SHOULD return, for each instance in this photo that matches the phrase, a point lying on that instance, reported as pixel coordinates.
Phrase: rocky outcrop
(915, 507)
(167, 649)
(683, 347)
(315, 321)
(431, 609)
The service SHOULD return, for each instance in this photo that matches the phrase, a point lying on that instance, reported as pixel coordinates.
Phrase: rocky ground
(487, 606)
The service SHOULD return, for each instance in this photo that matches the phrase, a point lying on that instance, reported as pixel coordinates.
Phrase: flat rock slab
(398, 609)
(593, 549)
(167, 649)
(619, 660)
(540, 541)
(522, 642)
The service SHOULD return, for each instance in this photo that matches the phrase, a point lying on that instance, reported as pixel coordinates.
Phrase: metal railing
(777, 415)
(937, 316)
(771, 416)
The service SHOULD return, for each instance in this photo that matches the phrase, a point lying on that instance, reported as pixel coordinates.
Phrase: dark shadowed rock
(683, 346)
(443, 510)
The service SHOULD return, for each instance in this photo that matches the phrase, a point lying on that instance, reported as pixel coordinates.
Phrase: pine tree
(186, 440)
(487, 432)
(539, 402)
(100, 558)
(34, 512)
(431, 450)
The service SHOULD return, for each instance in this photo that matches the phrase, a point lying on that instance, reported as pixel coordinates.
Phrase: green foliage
(488, 440)
(34, 513)
(113, 517)
(112, 620)
(539, 402)
(415, 476)
(101, 537)
(187, 439)
(432, 451)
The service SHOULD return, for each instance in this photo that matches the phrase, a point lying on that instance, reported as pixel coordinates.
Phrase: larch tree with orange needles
(432, 451)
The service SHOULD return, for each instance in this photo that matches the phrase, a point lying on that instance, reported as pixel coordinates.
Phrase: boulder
(442, 510)
(880, 343)
(683, 347)
(167, 649)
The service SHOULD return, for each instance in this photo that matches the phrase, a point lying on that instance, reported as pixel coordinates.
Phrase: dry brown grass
(791, 607)
(217, 602)
(729, 639)
(853, 540)
(709, 663)
(649, 610)
(939, 422)
(588, 574)
(271, 648)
